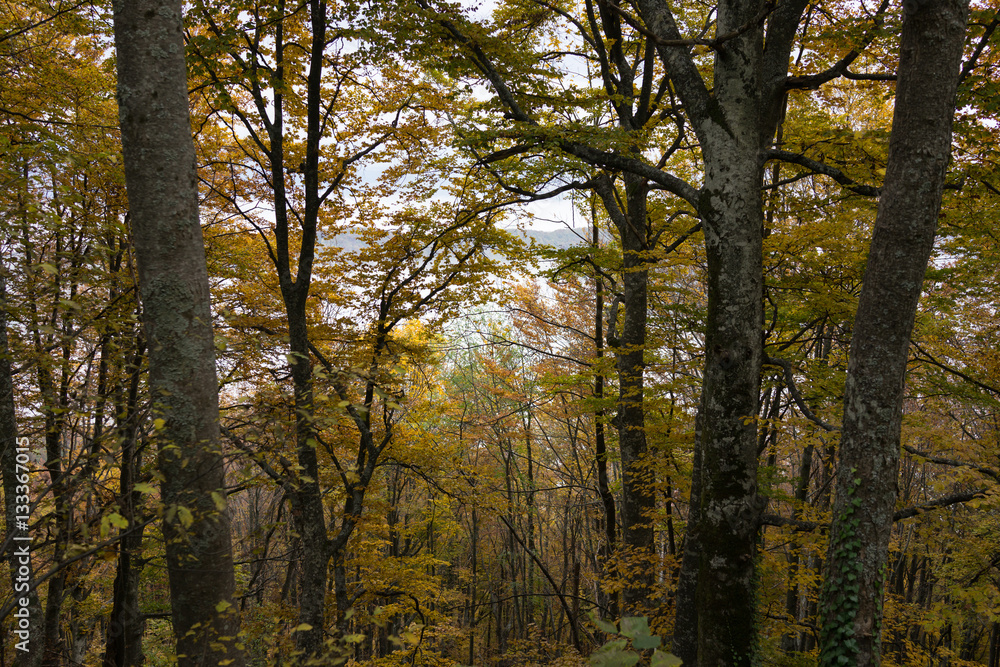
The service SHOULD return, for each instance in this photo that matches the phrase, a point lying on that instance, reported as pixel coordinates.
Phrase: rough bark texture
(162, 190)
(930, 52)
(734, 123)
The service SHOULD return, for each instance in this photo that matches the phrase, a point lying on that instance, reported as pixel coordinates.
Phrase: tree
(283, 76)
(734, 123)
(931, 46)
(163, 203)
(469, 488)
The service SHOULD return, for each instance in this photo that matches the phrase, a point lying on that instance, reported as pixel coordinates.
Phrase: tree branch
(796, 396)
(814, 81)
(821, 168)
(927, 456)
(928, 358)
(907, 513)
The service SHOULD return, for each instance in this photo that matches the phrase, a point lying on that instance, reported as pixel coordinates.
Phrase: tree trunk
(734, 123)
(162, 190)
(638, 498)
(919, 148)
(126, 624)
(608, 521)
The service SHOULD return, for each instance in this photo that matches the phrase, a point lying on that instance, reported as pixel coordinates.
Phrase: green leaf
(143, 487)
(664, 659)
(605, 626)
(647, 642)
(184, 514)
(635, 626)
(613, 654)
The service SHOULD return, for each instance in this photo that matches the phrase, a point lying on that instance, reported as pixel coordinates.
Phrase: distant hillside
(558, 238)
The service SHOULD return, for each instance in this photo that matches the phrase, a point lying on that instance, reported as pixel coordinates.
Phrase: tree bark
(161, 183)
(734, 123)
(608, 521)
(919, 148)
(126, 624)
(638, 497)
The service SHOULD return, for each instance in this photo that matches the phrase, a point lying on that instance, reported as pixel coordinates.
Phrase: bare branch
(944, 501)
(907, 513)
(926, 357)
(821, 168)
(814, 81)
(927, 456)
(796, 396)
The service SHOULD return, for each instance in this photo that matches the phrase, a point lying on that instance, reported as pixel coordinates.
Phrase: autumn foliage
(480, 338)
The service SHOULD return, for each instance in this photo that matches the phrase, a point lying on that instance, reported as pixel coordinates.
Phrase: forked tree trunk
(717, 582)
(161, 183)
(919, 148)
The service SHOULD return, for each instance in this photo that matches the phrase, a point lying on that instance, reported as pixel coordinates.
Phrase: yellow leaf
(219, 500)
(304, 627)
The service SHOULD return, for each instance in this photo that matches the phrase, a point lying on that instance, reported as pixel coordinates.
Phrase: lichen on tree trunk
(903, 237)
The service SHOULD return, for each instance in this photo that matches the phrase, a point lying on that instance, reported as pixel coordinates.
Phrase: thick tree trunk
(162, 190)
(729, 507)
(734, 123)
(919, 148)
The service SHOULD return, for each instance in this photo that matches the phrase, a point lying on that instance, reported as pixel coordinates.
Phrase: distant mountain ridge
(557, 238)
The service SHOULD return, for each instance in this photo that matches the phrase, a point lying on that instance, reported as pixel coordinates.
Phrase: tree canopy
(741, 409)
